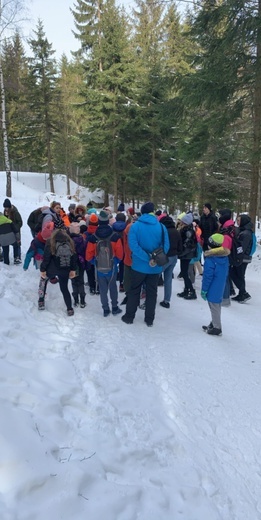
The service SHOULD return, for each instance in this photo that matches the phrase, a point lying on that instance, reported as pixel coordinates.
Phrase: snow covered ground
(106, 421)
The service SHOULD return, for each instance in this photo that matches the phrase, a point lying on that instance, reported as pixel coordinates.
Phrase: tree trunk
(5, 137)
(256, 127)
(115, 180)
(153, 175)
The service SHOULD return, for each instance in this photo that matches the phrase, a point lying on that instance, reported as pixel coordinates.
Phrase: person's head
(7, 204)
(93, 220)
(56, 207)
(80, 209)
(103, 218)
(60, 235)
(47, 230)
(120, 217)
(130, 211)
(121, 207)
(224, 215)
(207, 208)
(147, 207)
(72, 208)
(243, 219)
(74, 228)
(215, 241)
(185, 219)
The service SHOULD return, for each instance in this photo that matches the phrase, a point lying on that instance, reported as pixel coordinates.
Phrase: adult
(34, 220)
(11, 212)
(146, 235)
(244, 234)
(9, 236)
(208, 224)
(189, 251)
(173, 252)
(53, 214)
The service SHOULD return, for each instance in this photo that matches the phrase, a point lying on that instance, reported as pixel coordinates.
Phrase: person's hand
(204, 295)
(72, 274)
(43, 275)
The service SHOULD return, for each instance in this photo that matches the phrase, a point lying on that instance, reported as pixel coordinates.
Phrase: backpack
(253, 247)
(39, 224)
(104, 255)
(236, 254)
(63, 254)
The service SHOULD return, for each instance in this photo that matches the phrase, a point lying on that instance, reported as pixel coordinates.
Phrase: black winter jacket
(189, 242)
(174, 236)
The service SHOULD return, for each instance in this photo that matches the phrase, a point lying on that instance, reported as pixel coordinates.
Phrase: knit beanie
(148, 207)
(103, 217)
(207, 205)
(216, 240)
(121, 207)
(121, 217)
(91, 210)
(7, 203)
(74, 228)
(186, 218)
(47, 230)
(224, 215)
(93, 219)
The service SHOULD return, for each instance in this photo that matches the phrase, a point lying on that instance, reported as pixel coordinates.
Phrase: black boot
(214, 332)
(191, 295)
(76, 301)
(183, 294)
(206, 327)
(82, 304)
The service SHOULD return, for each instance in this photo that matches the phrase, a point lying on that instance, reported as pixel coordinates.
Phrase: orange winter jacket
(116, 247)
(127, 252)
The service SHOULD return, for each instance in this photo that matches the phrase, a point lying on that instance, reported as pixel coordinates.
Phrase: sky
(103, 420)
(58, 23)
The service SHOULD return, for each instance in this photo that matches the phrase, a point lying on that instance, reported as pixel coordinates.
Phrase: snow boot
(41, 304)
(191, 295)
(116, 310)
(206, 327)
(183, 294)
(214, 332)
(106, 313)
(164, 304)
(70, 312)
(243, 298)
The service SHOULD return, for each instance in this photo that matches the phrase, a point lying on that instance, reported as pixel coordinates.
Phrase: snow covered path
(102, 420)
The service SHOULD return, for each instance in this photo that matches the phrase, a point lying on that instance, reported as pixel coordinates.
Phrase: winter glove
(72, 274)
(204, 295)
(43, 275)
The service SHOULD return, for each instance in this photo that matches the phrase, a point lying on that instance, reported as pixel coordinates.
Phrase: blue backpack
(253, 248)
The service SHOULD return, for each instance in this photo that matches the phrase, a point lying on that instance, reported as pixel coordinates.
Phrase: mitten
(204, 295)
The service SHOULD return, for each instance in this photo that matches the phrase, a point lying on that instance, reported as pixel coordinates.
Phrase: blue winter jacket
(145, 236)
(214, 277)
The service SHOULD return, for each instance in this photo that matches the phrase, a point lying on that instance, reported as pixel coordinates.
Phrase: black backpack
(236, 254)
(39, 224)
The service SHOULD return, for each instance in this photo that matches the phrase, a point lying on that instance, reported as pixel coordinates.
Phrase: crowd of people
(118, 253)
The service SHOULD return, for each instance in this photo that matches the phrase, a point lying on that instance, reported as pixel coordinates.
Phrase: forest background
(153, 105)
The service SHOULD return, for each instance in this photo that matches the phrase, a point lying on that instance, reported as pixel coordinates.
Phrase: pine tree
(43, 101)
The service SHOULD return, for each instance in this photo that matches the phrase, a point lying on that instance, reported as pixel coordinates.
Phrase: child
(59, 260)
(36, 249)
(90, 268)
(214, 280)
(107, 280)
(189, 248)
(78, 281)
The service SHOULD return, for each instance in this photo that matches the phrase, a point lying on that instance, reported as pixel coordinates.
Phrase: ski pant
(6, 252)
(184, 268)
(151, 281)
(78, 285)
(108, 283)
(238, 276)
(127, 278)
(215, 309)
(90, 270)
